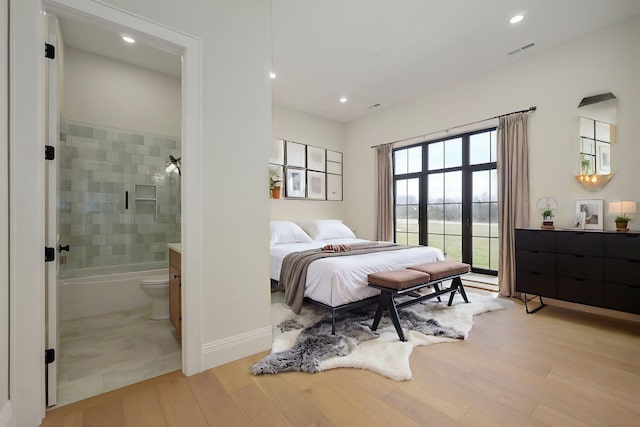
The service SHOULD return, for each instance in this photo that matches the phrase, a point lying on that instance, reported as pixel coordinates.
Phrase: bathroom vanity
(175, 285)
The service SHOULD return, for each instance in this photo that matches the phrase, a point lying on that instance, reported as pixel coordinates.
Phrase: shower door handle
(63, 248)
(126, 200)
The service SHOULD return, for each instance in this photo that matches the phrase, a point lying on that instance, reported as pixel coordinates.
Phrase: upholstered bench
(406, 281)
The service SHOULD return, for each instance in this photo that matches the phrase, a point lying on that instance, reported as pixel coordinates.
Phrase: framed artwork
(296, 183)
(334, 187)
(277, 152)
(334, 156)
(603, 159)
(334, 168)
(316, 158)
(296, 155)
(316, 185)
(593, 213)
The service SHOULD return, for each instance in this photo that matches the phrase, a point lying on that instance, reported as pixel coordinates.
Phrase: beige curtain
(385, 192)
(513, 190)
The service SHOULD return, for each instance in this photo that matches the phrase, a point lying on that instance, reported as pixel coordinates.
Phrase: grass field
(448, 237)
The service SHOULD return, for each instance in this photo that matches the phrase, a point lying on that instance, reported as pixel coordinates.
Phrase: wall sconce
(622, 209)
(593, 182)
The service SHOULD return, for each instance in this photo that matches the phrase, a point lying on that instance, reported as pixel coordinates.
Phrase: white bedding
(339, 280)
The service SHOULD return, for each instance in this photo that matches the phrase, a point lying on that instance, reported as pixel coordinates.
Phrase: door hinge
(49, 254)
(49, 356)
(49, 51)
(49, 152)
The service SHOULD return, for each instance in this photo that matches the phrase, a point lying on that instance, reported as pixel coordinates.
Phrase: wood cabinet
(175, 289)
(595, 268)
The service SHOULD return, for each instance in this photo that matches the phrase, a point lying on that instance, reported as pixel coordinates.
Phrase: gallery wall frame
(307, 171)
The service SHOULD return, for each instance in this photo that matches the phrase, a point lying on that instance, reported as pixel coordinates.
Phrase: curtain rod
(424, 135)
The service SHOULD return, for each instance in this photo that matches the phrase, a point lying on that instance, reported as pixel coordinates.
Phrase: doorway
(113, 207)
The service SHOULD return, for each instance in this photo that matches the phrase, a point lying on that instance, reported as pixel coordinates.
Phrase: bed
(338, 283)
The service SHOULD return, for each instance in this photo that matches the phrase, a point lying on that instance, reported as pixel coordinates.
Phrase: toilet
(157, 287)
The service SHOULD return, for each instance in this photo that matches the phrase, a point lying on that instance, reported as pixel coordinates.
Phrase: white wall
(307, 129)
(555, 81)
(231, 211)
(112, 93)
(5, 407)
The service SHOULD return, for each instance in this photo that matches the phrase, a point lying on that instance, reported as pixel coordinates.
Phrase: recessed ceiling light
(343, 99)
(128, 39)
(516, 19)
(272, 75)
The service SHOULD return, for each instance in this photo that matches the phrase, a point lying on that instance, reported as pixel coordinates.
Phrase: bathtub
(102, 294)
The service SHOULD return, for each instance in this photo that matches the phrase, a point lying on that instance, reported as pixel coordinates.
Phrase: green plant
(622, 219)
(584, 163)
(274, 182)
(547, 213)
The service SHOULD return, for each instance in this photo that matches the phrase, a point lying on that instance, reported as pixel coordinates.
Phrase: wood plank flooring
(557, 367)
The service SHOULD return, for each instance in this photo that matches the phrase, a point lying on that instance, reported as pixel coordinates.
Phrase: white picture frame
(296, 183)
(334, 156)
(334, 187)
(603, 158)
(316, 158)
(593, 210)
(334, 168)
(277, 152)
(316, 185)
(296, 154)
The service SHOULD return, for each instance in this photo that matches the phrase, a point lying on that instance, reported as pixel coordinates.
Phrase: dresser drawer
(579, 266)
(622, 271)
(622, 297)
(536, 240)
(536, 262)
(536, 283)
(580, 291)
(622, 245)
(579, 243)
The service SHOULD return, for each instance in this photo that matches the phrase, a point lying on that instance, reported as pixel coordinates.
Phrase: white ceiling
(386, 51)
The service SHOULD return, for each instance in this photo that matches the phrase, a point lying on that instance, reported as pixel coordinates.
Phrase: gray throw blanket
(293, 274)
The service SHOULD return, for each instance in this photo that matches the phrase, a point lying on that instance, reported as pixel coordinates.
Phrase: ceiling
(384, 51)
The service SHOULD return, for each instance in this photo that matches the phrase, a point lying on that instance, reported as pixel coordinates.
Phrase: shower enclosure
(118, 206)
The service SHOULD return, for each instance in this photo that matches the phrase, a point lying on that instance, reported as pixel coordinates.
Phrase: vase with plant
(275, 187)
(547, 219)
(621, 223)
(585, 163)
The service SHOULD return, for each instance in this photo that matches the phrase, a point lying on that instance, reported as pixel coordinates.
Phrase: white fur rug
(386, 355)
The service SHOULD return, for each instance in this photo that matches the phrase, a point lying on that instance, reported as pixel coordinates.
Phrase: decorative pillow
(324, 229)
(287, 232)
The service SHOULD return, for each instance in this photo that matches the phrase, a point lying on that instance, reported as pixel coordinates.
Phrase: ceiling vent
(520, 49)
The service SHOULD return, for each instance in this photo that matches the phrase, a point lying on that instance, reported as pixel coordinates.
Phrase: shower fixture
(174, 164)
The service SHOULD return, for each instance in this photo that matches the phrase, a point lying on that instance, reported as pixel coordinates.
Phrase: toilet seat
(155, 280)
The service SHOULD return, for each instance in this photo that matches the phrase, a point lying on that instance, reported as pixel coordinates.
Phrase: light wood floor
(556, 367)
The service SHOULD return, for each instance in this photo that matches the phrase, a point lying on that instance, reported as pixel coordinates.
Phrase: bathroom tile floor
(101, 353)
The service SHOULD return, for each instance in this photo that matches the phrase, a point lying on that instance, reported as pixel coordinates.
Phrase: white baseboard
(6, 415)
(227, 350)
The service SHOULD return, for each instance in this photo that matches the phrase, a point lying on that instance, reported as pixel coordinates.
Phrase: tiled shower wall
(97, 165)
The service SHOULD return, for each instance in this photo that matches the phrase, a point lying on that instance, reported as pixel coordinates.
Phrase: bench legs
(456, 285)
(386, 301)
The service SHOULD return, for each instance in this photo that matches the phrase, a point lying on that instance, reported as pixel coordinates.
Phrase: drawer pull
(579, 256)
(577, 279)
(175, 276)
(634, 260)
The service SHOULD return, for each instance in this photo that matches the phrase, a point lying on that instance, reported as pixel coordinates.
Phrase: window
(446, 196)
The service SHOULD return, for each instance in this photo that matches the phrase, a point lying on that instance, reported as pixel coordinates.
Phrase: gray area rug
(304, 342)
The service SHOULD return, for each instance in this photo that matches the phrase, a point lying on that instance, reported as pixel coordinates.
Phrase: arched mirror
(597, 117)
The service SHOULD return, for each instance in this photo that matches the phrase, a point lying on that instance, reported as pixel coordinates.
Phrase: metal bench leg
(382, 302)
(436, 286)
(393, 314)
(456, 284)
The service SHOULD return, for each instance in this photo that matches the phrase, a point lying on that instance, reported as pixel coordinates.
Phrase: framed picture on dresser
(593, 213)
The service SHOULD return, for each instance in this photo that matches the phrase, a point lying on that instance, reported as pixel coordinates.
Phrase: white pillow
(287, 232)
(324, 229)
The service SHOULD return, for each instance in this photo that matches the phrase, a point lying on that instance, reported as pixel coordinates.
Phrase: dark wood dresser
(597, 268)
